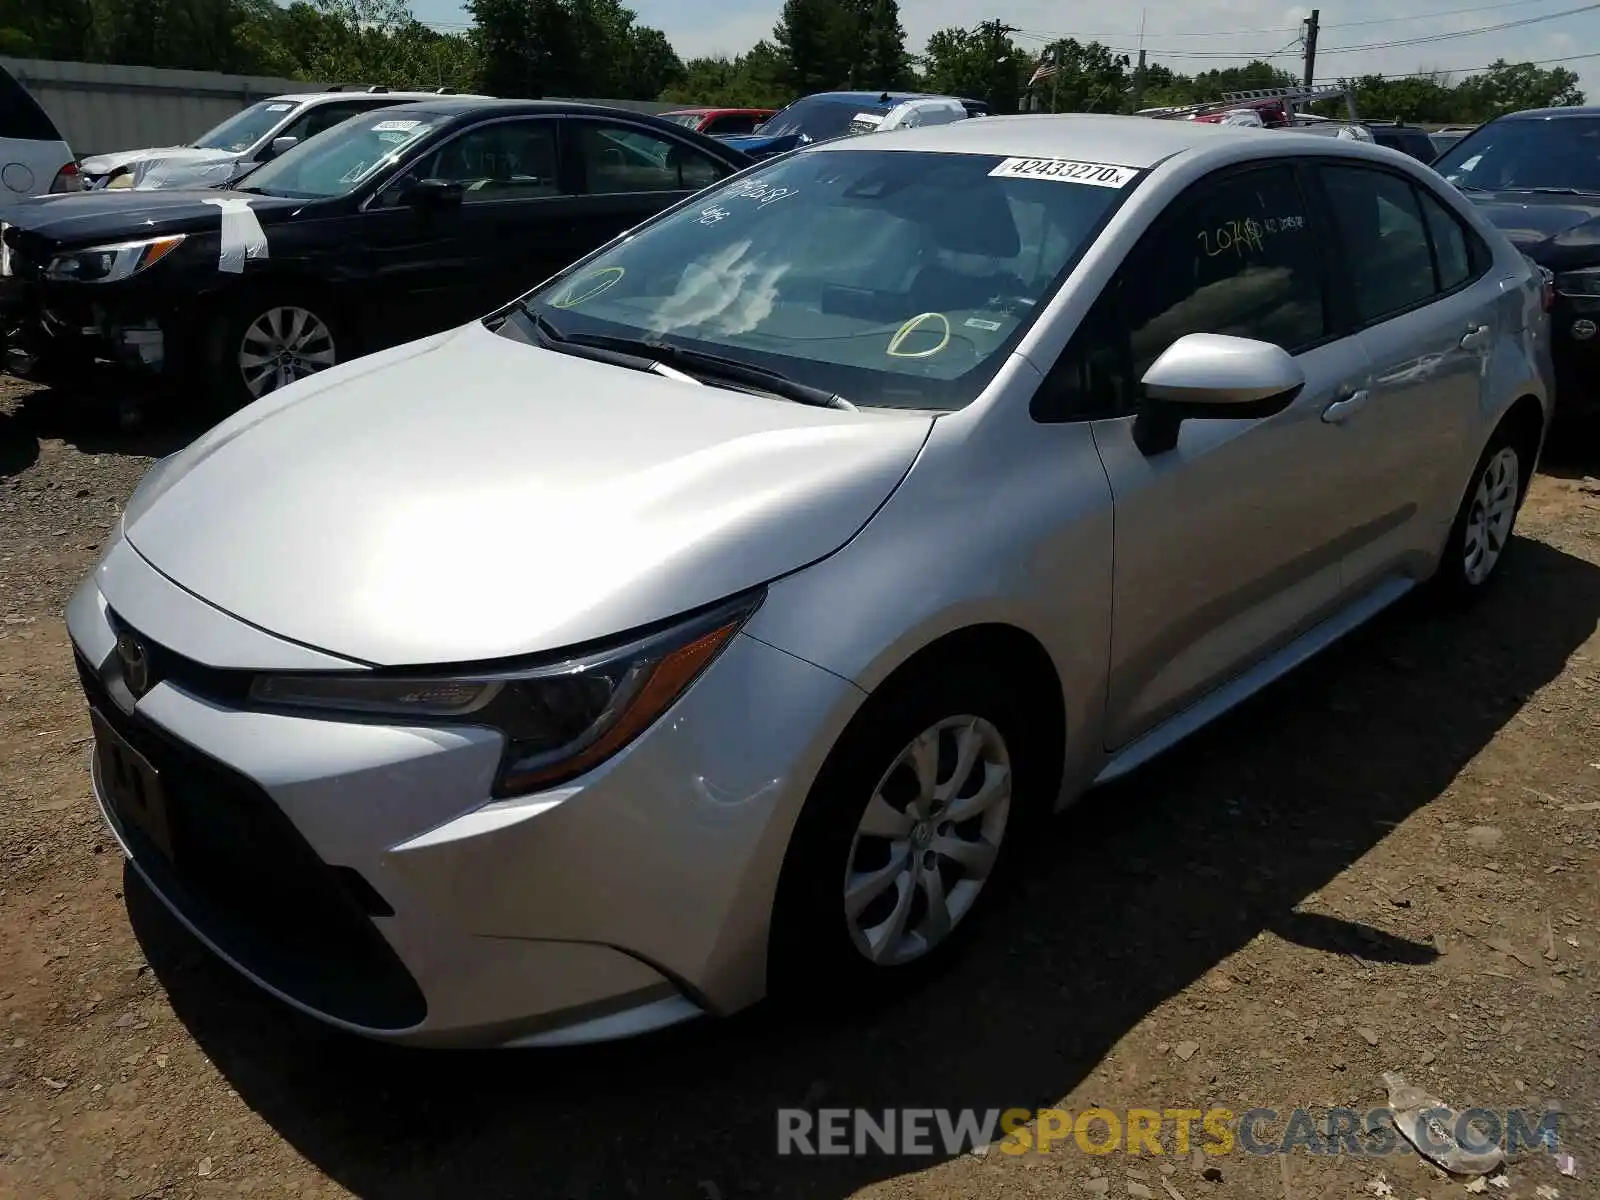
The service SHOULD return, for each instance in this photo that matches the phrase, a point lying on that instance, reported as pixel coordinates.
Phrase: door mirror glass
(1217, 375)
(281, 145)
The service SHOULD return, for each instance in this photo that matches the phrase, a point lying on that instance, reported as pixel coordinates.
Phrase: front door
(1229, 545)
(513, 227)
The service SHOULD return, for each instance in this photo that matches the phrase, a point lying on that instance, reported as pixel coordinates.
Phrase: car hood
(469, 497)
(87, 218)
(1559, 232)
(104, 164)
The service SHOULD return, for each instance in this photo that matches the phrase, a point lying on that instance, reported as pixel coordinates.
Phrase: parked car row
(492, 688)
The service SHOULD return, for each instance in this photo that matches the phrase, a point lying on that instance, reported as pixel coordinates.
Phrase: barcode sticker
(1066, 170)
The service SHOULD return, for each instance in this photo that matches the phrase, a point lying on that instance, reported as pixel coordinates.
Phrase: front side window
(503, 160)
(892, 278)
(732, 124)
(346, 158)
(323, 116)
(623, 158)
(1384, 241)
(1236, 255)
(244, 129)
(1527, 155)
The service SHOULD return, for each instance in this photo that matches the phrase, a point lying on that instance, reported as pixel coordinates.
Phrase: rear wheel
(1482, 531)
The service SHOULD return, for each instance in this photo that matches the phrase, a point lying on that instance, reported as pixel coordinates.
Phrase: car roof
(1139, 142)
(460, 106)
(708, 110)
(307, 97)
(1545, 114)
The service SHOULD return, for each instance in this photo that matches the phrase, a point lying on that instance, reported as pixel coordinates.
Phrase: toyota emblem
(135, 664)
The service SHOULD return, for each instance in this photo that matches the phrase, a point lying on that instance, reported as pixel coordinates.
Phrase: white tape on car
(242, 235)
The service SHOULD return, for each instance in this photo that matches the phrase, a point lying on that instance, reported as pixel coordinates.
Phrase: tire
(268, 339)
(1481, 533)
(819, 953)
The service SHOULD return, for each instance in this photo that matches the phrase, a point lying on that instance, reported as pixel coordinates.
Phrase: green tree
(815, 42)
(1089, 78)
(981, 62)
(1510, 87)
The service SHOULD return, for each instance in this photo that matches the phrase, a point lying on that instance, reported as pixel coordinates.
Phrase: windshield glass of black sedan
(892, 278)
(1526, 154)
(818, 118)
(244, 129)
(337, 162)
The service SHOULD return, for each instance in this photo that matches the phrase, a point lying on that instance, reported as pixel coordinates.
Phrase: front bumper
(359, 871)
(54, 336)
(1575, 333)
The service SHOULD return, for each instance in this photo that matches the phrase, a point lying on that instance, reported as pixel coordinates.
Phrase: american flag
(1047, 67)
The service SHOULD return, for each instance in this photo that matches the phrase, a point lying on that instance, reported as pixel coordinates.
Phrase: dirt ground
(1387, 862)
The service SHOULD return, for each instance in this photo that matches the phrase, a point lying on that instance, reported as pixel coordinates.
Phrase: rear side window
(1402, 246)
(20, 115)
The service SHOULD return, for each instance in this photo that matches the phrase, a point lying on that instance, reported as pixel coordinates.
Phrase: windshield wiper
(712, 366)
(1558, 191)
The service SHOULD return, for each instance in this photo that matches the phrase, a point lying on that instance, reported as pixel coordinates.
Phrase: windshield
(892, 278)
(817, 117)
(1524, 154)
(340, 160)
(244, 129)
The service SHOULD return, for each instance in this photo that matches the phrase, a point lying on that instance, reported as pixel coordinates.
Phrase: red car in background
(719, 121)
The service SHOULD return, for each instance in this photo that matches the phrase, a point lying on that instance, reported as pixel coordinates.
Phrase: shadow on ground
(1138, 893)
(88, 418)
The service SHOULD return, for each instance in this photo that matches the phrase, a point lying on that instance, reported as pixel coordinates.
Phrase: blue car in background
(825, 115)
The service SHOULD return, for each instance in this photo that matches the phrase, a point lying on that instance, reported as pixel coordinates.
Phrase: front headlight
(559, 719)
(1584, 284)
(107, 264)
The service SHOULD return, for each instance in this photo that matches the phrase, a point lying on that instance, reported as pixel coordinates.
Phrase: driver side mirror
(433, 194)
(1217, 377)
(280, 146)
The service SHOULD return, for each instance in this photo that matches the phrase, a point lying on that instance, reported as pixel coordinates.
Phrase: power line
(1537, 62)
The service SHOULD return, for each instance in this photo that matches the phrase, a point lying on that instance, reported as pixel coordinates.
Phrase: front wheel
(909, 829)
(1483, 526)
(270, 342)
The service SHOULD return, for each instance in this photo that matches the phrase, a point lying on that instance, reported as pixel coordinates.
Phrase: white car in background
(34, 158)
(250, 137)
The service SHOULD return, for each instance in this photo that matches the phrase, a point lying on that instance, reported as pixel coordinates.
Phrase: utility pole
(1311, 24)
(1138, 75)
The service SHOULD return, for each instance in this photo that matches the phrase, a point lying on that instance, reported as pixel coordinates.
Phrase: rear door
(1415, 281)
(627, 173)
(1230, 544)
(32, 152)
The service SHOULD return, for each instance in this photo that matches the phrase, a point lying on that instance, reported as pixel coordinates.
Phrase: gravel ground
(1388, 862)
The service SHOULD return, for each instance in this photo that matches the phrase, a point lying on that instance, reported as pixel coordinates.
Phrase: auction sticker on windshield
(1065, 170)
(395, 126)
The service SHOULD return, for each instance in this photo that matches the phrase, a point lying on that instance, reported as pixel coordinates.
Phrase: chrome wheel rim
(928, 840)
(282, 345)
(1489, 520)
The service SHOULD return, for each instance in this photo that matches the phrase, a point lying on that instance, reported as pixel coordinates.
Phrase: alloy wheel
(928, 840)
(1489, 521)
(282, 345)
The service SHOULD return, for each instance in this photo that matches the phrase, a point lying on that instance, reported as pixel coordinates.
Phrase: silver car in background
(718, 617)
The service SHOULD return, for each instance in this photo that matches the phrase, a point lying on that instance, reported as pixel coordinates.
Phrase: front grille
(243, 875)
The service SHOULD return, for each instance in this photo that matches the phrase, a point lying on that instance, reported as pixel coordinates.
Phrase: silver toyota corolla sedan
(718, 617)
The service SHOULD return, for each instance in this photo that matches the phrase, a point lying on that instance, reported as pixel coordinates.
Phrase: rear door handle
(1345, 407)
(1475, 337)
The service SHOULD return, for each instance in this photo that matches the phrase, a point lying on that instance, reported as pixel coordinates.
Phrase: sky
(1190, 37)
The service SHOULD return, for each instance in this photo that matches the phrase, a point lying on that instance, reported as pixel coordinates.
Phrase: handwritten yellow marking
(915, 325)
(607, 276)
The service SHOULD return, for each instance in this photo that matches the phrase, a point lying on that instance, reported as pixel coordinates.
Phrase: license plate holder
(132, 786)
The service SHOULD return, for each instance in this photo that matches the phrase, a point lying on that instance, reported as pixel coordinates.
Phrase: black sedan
(1536, 175)
(390, 226)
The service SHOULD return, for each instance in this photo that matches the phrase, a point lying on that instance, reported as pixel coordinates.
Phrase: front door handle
(1475, 337)
(1345, 407)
